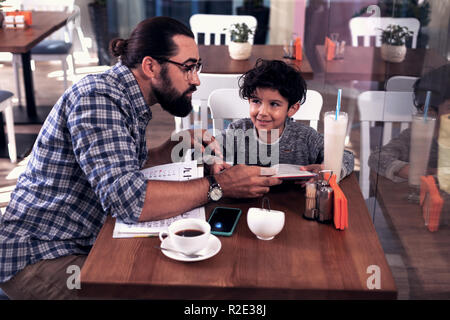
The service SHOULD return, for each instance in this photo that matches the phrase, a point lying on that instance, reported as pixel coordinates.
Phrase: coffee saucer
(212, 248)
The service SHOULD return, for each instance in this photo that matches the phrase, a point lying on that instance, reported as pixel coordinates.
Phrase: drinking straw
(427, 103)
(338, 105)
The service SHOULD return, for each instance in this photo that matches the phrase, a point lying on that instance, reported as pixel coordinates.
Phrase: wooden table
(216, 59)
(21, 41)
(307, 260)
(365, 63)
(427, 253)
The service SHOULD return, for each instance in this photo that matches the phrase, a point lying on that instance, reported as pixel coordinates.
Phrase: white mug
(188, 235)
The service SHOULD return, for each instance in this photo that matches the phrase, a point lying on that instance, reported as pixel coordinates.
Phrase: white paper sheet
(180, 171)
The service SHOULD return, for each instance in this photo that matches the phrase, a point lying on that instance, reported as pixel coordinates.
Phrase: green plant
(240, 32)
(395, 35)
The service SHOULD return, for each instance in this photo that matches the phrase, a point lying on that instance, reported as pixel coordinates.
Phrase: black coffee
(189, 233)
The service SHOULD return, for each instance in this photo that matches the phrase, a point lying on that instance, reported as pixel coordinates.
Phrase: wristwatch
(215, 192)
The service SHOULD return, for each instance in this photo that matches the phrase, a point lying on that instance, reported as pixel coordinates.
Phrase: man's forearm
(165, 199)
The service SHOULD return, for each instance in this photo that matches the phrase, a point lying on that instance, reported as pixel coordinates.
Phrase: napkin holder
(340, 205)
(431, 202)
(330, 49)
(334, 49)
(298, 49)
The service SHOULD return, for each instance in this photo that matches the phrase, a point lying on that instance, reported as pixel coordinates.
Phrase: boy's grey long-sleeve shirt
(298, 144)
(387, 160)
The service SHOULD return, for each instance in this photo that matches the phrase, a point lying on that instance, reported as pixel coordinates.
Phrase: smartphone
(223, 220)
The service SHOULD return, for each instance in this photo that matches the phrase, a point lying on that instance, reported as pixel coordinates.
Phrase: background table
(307, 260)
(427, 254)
(216, 59)
(365, 63)
(21, 41)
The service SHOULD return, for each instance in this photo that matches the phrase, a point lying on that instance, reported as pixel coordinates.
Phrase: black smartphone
(223, 220)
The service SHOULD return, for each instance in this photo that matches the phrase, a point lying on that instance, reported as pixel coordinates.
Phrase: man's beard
(178, 105)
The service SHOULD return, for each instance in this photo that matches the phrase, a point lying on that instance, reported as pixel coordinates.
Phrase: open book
(178, 171)
(291, 172)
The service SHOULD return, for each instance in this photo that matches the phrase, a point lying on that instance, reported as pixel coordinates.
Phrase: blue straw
(338, 105)
(427, 103)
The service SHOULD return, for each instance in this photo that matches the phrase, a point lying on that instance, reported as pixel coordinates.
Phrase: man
(87, 159)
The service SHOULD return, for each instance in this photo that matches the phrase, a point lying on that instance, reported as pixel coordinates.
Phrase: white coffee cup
(188, 235)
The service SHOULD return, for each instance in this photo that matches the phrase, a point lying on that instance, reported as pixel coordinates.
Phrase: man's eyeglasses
(189, 69)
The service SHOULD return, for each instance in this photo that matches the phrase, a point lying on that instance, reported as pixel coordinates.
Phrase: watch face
(216, 194)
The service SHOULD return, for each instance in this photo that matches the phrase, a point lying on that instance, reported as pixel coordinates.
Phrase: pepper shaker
(325, 200)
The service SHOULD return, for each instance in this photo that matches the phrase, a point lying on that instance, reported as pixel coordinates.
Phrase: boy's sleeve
(389, 159)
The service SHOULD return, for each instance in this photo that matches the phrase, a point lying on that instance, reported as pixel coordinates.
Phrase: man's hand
(243, 181)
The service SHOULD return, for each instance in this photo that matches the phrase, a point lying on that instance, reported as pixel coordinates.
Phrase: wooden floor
(49, 86)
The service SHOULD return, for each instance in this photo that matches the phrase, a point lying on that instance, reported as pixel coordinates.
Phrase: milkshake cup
(422, 131)
(334, 133)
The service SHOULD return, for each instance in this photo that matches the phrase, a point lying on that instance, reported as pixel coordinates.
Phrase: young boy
(275, 92)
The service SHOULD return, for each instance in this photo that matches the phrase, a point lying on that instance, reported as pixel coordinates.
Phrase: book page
(291, 171)
(179, 171)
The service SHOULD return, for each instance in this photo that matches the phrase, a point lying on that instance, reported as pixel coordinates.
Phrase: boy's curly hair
(274, 74)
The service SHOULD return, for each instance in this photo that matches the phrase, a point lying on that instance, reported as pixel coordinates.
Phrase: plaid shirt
(84, 165)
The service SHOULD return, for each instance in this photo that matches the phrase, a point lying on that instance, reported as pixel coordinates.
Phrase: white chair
(368, 27)
(218, 25)
(227, 104)
(208, 83)
(6, 107)
(59, 45)
(385, 106)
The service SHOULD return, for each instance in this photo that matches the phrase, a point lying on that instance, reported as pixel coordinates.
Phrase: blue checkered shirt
(84, 165)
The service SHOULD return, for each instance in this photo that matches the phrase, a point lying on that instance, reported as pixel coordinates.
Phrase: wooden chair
(218, 25)
(208, 83)
(227, 104)
(6, 107)
(385, 106)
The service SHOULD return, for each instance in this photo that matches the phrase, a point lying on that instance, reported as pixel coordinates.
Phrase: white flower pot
(392, 53)
(240, 50)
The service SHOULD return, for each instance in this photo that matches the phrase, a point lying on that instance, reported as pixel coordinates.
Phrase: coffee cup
(187, 235)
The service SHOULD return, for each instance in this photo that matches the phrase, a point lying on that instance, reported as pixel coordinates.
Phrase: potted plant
(419, 9)
(239, 47)
(393, 43)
